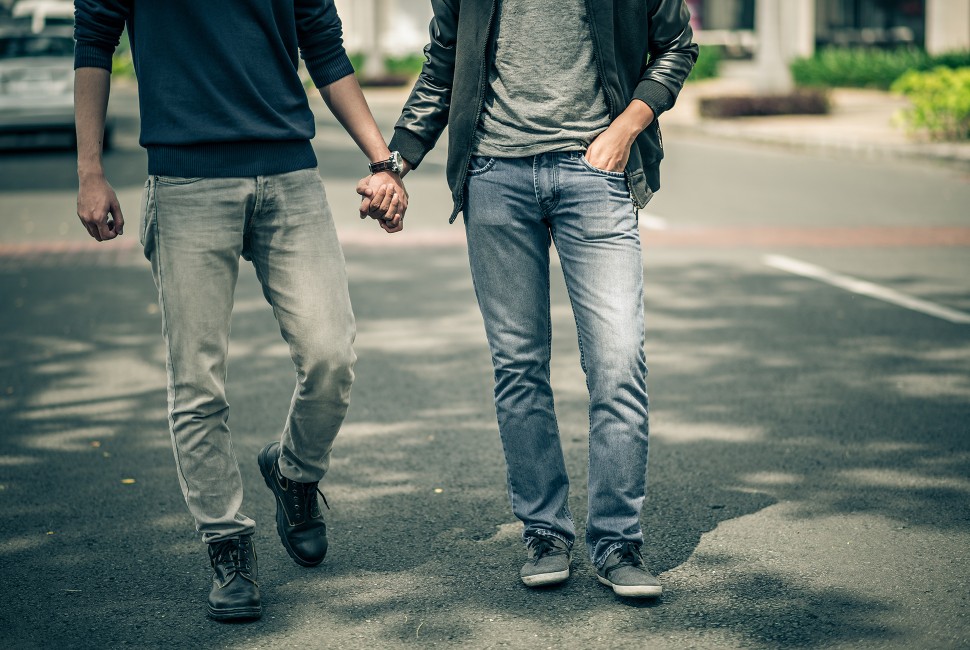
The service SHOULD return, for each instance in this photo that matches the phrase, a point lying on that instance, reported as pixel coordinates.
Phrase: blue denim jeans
(515, 209)
(194, 231)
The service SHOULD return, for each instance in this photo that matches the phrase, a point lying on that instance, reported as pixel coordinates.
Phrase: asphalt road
(810, 451)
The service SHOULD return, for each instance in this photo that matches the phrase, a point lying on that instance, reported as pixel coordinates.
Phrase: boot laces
(233, 554)
(303, 495)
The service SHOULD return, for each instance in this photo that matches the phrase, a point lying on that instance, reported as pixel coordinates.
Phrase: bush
(357, 59)
(868, 68)
(801, 102)
(122, 66)
(941, 102)
(708, 63)
(408, 65)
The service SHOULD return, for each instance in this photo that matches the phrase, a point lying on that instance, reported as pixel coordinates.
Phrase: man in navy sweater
(227, 127)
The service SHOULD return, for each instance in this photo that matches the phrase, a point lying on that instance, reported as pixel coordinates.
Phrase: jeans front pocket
(602, 172)
(480, 164)
(146, 232)
(177, 180)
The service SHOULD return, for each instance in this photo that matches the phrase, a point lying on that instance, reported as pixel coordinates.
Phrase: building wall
(394, 27)
(403, 24)
(947, 25)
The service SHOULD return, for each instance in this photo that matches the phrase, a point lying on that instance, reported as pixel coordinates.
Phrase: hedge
(940, 102)
(869, 68)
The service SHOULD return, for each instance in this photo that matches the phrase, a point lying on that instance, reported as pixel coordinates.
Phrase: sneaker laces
(629, 555)
(542, 546)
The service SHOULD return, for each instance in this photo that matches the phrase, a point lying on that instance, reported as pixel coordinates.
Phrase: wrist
(92, 172)
(632, 121)
(392, 163)
(378, 155)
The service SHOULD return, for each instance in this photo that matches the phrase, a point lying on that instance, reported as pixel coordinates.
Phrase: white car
(38, 15)
(37, 84)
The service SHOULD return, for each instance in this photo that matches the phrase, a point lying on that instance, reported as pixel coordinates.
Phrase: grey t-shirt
(544, 90)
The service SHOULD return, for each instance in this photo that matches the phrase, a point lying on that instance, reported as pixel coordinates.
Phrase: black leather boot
(299, 521)
(235, 591)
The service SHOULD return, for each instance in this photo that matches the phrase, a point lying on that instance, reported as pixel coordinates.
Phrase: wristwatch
(393, 164)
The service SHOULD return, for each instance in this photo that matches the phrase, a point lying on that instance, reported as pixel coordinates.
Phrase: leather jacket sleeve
(425, 114)
(672, 55)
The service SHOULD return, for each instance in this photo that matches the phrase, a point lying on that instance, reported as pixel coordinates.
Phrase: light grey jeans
(194, 230)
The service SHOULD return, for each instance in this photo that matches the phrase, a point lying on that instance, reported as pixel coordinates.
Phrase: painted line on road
(864, 288)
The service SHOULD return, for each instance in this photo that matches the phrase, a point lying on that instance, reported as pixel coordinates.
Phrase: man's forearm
(348, 105)
(634, 119)
(91, 90)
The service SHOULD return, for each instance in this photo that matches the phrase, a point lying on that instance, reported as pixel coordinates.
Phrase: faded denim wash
(516, 208)
(194, 230)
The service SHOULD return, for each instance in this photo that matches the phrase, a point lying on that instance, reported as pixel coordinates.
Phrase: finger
(393, 209)
(92, 230)
(389, 197)
(363, 187)
(119, 218)
(364, 208)
(106, 230)
(376, 200)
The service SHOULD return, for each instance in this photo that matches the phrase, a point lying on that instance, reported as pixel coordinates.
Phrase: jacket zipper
(482, 79)
(607, 94)
(610, 106)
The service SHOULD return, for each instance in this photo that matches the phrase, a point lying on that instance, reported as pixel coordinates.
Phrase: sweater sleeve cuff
(655, 95)
(326, 71)
(92, 56)
(411, 147)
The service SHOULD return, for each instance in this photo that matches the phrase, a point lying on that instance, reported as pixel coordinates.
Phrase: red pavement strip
(127, 251)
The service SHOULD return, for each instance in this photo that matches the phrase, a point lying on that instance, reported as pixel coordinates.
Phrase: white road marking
(652, 222)
(864, 288)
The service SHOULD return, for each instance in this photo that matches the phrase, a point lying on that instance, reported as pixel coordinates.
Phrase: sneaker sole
(265, 468)
(240, 614)
(545, 579)
(633, 591)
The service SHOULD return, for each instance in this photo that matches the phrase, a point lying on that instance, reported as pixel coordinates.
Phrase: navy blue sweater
(218, 86)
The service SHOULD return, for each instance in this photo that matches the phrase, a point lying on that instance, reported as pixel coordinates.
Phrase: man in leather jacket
(552, 113)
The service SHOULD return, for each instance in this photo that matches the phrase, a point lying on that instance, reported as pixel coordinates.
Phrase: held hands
(98, 208)
(384, 198)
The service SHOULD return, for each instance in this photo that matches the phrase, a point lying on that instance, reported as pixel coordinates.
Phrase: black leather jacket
(644, 49)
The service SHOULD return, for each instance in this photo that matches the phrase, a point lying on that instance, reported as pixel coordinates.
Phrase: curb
(950, 153)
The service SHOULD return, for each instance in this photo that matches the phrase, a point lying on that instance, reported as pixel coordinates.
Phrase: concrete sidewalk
(862, 123)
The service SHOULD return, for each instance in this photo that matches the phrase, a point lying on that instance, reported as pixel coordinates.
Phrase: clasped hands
(384, 199)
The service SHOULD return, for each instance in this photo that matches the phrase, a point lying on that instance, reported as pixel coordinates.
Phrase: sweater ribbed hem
(326, 71)
(230, 159)
(92, 56)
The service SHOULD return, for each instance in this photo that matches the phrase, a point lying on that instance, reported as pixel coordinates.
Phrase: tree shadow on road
(763, 396)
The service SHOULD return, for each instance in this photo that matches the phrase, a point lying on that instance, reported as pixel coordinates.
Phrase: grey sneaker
(549, 563)
(624, 571)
